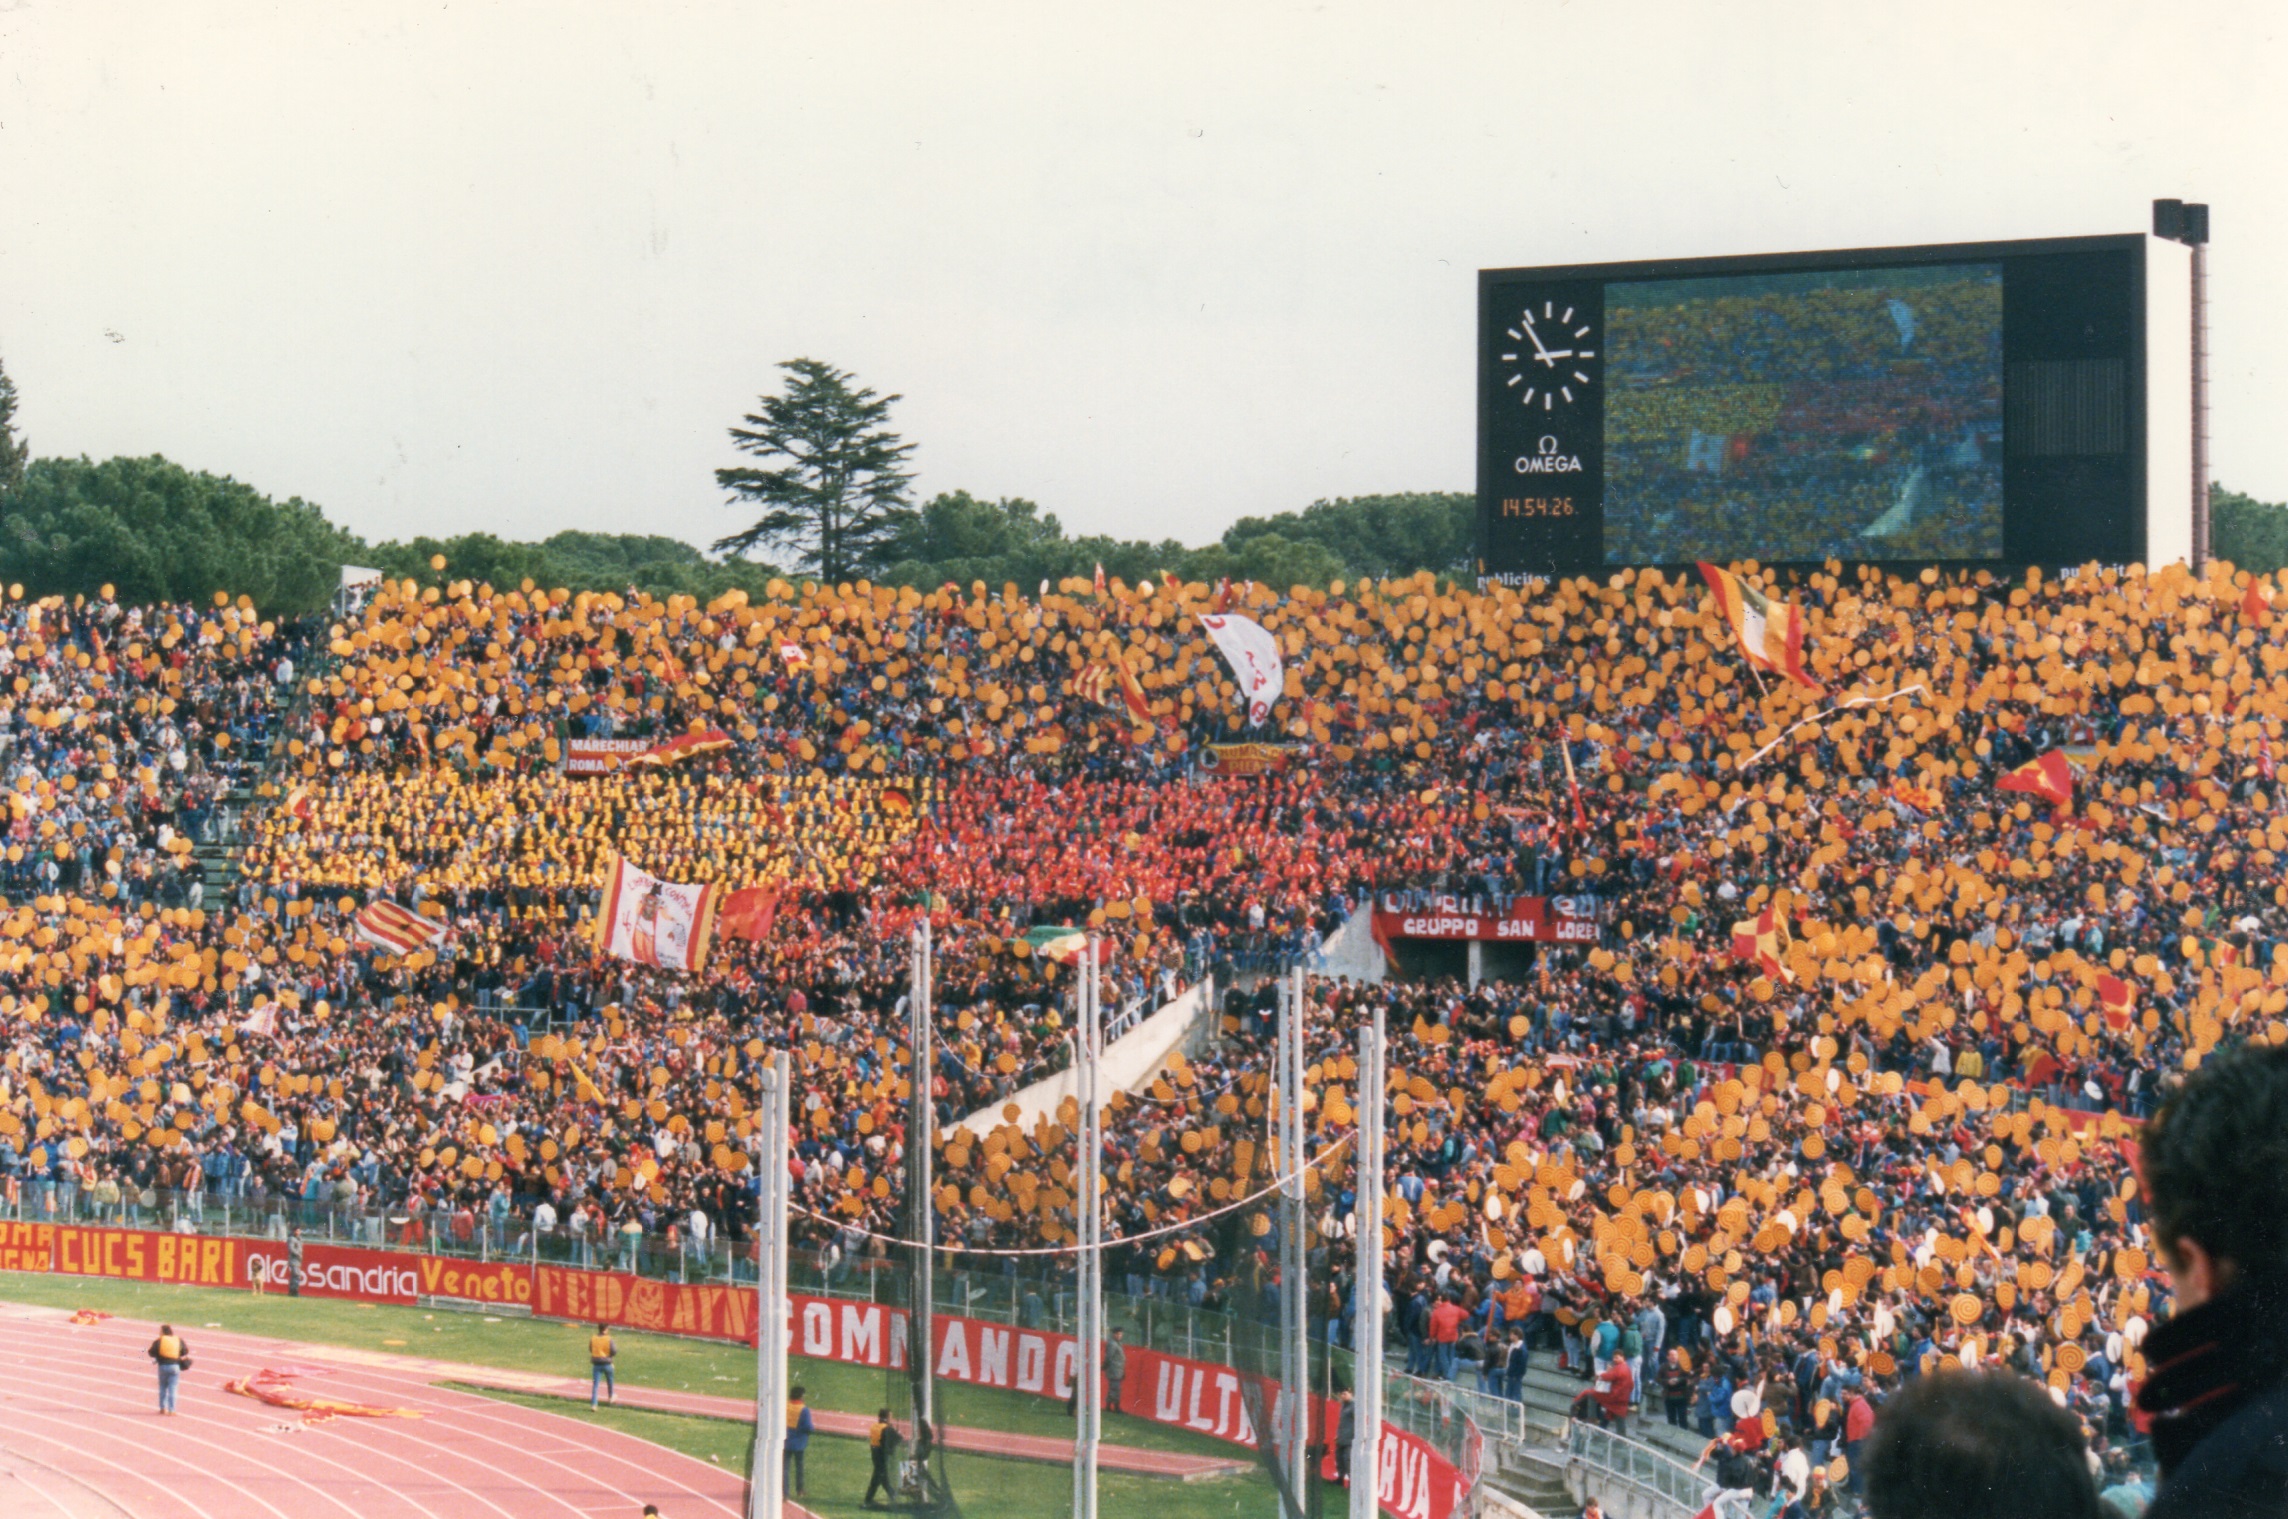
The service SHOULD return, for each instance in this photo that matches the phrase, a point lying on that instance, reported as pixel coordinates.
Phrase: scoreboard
(1993, 403)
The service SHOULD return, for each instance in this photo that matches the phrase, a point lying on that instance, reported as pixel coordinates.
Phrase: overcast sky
(448, 266)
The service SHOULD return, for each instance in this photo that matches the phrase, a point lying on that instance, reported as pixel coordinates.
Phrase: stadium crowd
(1841, 1091)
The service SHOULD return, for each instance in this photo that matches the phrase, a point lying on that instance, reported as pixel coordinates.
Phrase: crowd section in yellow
(1874, 1138)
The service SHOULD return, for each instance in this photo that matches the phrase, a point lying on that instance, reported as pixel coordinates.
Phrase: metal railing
(1649, 1471)
(1440, 1415)
(1509, 1420)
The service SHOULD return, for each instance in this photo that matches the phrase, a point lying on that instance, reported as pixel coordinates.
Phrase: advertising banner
(712, 1311)
(1544, 920)
(1416, 1481)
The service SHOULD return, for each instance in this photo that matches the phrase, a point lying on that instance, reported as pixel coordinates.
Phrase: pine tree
(834, 489)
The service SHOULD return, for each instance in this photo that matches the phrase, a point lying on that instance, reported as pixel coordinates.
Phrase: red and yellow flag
(1770, 632)
(2048, 776)
(1762, 940)
(2118, 999)
(1096, 684)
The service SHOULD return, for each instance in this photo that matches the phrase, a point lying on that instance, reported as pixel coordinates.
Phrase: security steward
(882, 1441)
(173, 1355)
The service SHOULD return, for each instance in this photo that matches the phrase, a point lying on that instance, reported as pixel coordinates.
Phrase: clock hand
(1534, 337)
(1550, 356)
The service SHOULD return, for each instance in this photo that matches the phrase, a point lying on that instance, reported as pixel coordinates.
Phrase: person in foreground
(2215, 1169)
(173, 1355)
(1978, 1445)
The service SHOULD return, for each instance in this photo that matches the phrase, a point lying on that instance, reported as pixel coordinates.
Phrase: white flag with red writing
(1253, 655)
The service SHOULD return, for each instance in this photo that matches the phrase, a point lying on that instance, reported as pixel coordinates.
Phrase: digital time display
(1968, 404)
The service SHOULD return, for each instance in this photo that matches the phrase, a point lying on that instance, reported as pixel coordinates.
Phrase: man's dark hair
(2215, 1161)
(1977, 1445)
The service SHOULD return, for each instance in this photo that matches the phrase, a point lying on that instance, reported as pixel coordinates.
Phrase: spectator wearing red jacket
(1445, 1332)
(1607, 1402)
(1858, 1424)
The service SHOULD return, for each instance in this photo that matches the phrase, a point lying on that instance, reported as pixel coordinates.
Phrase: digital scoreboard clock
(1958, 404)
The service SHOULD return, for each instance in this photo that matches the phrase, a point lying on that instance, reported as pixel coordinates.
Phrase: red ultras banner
(1545, 920)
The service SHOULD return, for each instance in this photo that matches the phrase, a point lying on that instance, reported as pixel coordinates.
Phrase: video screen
(1847, 414)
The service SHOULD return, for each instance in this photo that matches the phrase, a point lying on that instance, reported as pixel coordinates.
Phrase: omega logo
(1548, 459)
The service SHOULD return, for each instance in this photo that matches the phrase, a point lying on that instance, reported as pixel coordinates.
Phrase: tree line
(831, 498)
(825, 488)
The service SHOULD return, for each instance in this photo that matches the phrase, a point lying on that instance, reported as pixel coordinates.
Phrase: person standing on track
(882, 1441)
(174, 1357)
(601, 1351)
(799, 1425)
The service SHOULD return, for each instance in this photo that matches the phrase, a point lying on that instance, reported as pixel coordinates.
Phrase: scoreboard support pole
(2201, 545)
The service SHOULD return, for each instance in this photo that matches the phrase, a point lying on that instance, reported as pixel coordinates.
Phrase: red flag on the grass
(748, 914)
(2254, 604)
(2118, 999)
(2048, 776)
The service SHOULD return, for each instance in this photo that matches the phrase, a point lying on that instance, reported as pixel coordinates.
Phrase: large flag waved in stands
(399, 930)
(684, 746)
(1762, 940)
(748, 914)
(1096, 683)
(1254, 658)
(654, 922)
(2049, 777)
(1060, 943)
(1770, 632)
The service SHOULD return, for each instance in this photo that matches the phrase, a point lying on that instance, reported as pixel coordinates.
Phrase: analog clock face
(1553, 360)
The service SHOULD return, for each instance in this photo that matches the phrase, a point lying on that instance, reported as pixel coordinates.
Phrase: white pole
(1366, 1310)
(766, 1489)
(922, 1155)
(1294, 1421)
(1088, 1395)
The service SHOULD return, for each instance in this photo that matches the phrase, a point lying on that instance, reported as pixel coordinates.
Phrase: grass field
(837, 1470)
(837, 1467)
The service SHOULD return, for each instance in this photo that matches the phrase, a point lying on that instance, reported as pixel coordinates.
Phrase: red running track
(80, 1438)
